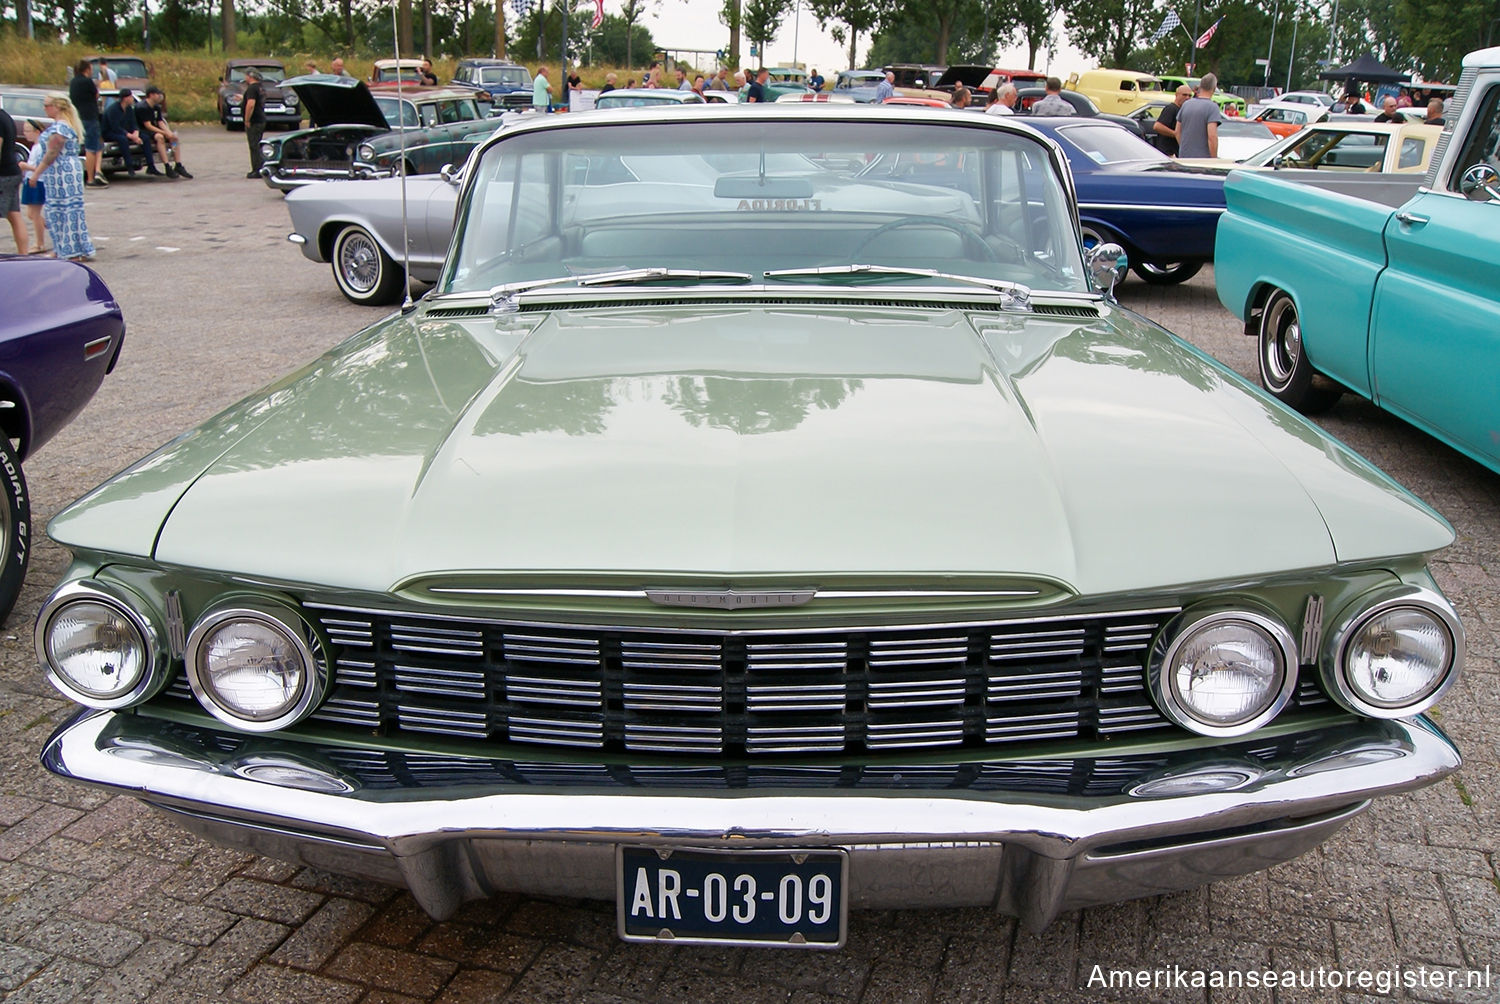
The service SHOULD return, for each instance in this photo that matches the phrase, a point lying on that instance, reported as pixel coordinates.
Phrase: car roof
(487, 61)
(255, 62)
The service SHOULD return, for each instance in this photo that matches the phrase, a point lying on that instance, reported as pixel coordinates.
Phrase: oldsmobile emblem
(730, 599)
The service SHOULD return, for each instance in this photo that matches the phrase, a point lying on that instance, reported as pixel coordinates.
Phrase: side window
(1413, 153)
(1127, 85)
(448, 112)
(1483, 143)
(429, 115)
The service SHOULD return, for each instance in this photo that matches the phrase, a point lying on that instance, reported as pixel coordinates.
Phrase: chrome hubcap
(1281, 345)
(359, 262)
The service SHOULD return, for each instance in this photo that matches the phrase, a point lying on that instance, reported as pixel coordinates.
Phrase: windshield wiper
(1013, 295)
(506, 292)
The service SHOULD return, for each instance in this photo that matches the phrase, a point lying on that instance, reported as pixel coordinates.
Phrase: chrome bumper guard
(1033, 838)
(285, 182)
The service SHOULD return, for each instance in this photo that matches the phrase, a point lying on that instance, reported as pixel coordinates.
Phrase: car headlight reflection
(256, 666)
(291, 99)
(1394, 655)
(100, 645)
(268, 151)
(1223, 672)
(367, 153)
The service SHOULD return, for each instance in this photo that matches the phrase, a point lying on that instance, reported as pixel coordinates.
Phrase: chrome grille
(755, 691)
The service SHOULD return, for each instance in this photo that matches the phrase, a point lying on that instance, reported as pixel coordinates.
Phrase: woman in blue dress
(62, 172)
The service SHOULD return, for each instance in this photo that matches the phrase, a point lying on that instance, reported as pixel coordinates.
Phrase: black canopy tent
(1367, 70)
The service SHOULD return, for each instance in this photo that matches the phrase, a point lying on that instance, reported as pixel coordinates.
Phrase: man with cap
(255, 119)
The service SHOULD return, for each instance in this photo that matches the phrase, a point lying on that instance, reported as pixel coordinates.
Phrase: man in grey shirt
(1053, 103)
(1198, 122)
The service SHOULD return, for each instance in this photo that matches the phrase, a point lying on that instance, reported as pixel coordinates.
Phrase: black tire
(1092, 235)
(364, 273)
(1167, 275)
(1284, 367)
(15, 528)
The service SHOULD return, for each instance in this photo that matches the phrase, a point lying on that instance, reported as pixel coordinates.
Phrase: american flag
(1203, 38)
(598, 13)
(1167, 24)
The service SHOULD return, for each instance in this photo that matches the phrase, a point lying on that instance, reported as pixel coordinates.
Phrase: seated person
(118, 125)
(158, 137)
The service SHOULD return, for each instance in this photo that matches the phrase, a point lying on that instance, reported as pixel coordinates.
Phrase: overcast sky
(695, 24)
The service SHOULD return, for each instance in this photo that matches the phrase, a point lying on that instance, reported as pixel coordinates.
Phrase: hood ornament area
(730, 599)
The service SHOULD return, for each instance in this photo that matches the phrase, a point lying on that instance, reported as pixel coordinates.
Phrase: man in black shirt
(158, 135)
(10, 181)
(1165, 126)
(118, 126)
(757, 90)
(255, 119)
(428, 77)
(1388, 111)
(84, 94)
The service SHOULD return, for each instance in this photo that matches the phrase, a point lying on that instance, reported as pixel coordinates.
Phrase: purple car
(57, 342)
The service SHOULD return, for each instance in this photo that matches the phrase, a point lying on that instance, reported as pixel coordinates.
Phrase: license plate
(794, 899)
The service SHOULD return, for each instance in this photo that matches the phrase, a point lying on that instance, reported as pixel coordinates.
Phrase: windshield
(513, 75)
(1324, 150)
(757, 196)
(269, 74)
(128, 68)
(387, 108)
(1245, 130)
(1109, 144)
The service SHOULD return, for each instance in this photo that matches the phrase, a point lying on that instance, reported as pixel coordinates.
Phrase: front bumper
(286, 180)
(1033, 838)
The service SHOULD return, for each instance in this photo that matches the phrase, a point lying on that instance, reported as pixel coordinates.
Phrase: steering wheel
(967, 231)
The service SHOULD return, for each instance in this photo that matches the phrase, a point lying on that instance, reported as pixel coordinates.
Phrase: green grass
(191, 78)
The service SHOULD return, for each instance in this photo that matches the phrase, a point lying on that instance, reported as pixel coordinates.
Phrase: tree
(963, 33)
(616, 41)
(1438, 35)
(630, 13)
(761, 19)
(730, 14)
(1107, 30)
(848, 19)
(226, 24)
(1033, 27)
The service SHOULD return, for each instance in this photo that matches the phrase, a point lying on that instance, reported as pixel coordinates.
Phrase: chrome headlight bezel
(365, 152)
(1180, 629)
(1333, 664)
(282, 618)
(290, 99)
(141, 617)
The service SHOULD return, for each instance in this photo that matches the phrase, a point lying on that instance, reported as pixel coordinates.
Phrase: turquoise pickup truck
(1386, 288)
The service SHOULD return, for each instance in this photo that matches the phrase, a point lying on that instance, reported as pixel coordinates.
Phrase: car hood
(335, 100)
(654, 442)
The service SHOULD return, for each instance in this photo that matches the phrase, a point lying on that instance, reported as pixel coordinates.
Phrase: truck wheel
(365, 274)
(1167, 275)
(15, 527)
(1284, 368)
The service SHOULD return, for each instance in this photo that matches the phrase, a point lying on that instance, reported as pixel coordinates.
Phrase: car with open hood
(766, 515)
(352, 135)
(283, 107)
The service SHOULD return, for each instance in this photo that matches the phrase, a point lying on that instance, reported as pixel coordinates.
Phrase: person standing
(1053, 103)
(1165, 126)
(757, 92)
(1003, 100)
(337, 67)
(609, 83)
(33, 192)
(83, 94)
(682, 80)
(60, 170)
(886, 89)
(10, 181)
(1434, 113)
(118, 125)
(960, 97)
(816, 81)
(1198, 122)
(720, 80)
(254, 105)
(429, 79)
(541, 91)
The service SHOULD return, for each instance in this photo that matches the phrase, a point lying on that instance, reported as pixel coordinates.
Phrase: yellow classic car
(1118, 91)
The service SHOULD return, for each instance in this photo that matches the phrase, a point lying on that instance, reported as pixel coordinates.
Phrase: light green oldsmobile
(765, 515)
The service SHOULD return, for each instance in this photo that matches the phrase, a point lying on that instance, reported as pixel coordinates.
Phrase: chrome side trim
(1137, 207)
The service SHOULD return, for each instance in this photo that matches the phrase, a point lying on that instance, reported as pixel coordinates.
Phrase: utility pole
(1192, 67)
(564, 69)
(1292, 59)
(1275, 15)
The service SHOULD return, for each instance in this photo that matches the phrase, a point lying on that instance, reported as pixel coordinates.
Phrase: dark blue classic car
(58, 339)
(1163, 213)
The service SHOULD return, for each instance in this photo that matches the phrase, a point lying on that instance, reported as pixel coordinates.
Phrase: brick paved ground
(103, 900)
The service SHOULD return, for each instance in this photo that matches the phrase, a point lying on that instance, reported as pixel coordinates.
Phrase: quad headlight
(256, 665)
(1223, 672)
(366, 153)
(1394, 653)
(100, 644)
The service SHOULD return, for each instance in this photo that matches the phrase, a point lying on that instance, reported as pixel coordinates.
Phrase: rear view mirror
(1106, 263)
